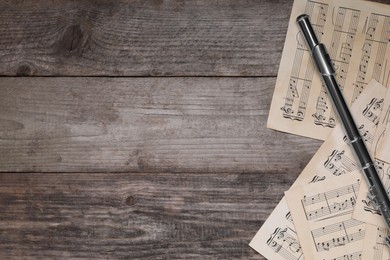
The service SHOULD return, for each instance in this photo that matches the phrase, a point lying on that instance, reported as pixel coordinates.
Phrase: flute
(377, 192)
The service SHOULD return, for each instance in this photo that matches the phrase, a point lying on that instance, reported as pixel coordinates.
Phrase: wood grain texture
(145, 167)
(142, 38)
(130, 216)
(143, 125)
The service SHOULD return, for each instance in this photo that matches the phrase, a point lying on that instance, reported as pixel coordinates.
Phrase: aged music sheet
(277, 238)
(382, 149)
(365, 210)
(357, 37)
(322, 214)
(334, 158)
(374, 244)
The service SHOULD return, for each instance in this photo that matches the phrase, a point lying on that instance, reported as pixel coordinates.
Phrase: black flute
(324, 65)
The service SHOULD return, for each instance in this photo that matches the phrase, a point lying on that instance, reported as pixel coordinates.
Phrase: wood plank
(142, 38)
(144, 215)
(143, 125)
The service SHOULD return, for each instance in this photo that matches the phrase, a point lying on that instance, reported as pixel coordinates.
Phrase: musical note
(333, 151)
(375, 244)
(340, 51)
(342, 233)
(321, 108)
(358, 43)
(286, 245)
(373, 110)
(374, 52)
(381, 250)
(366, 134)
(323, 216)
(383, 169)
(337, 201)
(338, 163)
(353, 256)
(297, 96)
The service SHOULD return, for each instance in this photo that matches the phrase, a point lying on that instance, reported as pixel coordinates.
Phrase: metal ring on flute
(355, 139)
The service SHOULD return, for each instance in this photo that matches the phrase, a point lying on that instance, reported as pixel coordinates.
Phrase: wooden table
(137, 129)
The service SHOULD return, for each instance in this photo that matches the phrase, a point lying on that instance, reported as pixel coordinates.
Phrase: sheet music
(374, 244)
(323, 217)
(365, 209)
(271, 242)
(324, 206)
(329, 203)
(357, 38)
(382, 149)
(374, 61)
(334, 158)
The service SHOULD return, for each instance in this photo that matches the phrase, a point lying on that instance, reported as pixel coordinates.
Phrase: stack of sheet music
(326, 214)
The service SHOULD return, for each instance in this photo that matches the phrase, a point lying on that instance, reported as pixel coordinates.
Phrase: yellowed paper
(331, 202)
(383, 123)
(277, 238)
(382, 149)
(383, 152)
(370, 57)
(322, 214)
(334, 158)
(374, 244)
(365, 209)
(356, 35)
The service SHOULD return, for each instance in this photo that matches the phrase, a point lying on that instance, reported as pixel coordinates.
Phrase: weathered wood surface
(195, 171)
(143, 125)
(135, 215)
(142, 38)
(144, 167)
